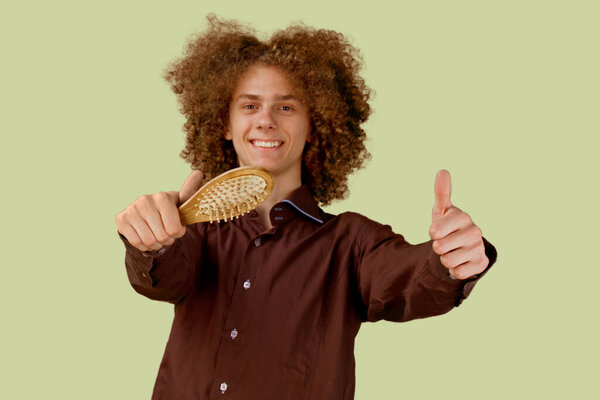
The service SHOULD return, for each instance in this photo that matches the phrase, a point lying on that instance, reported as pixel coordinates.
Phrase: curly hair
(321, 64)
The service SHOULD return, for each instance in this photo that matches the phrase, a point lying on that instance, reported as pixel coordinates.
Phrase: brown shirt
(273, 314)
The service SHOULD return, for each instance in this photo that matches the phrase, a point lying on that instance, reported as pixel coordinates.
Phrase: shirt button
(234, 333)
(223, 387)
(257, 242)
(144, 275)
(247, 284)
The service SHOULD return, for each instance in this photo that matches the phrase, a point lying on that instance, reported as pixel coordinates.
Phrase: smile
(269, 144)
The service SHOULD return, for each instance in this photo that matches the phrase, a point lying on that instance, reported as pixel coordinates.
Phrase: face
(268, 124)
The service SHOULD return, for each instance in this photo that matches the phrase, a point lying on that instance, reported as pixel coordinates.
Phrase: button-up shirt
(273, 314)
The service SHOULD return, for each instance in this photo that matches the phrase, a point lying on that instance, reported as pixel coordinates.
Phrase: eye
(286, 108)
(249, 107)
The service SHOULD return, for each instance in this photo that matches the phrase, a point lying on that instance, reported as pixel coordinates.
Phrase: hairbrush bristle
(228, 196)
(232, 198)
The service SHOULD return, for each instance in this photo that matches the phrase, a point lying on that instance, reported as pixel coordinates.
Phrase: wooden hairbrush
(231, 194)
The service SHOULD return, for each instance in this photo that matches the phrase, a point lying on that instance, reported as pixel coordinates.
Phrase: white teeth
(266, 144)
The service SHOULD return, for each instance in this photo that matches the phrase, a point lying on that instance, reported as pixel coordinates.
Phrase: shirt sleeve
(399, 281)
(166, 274)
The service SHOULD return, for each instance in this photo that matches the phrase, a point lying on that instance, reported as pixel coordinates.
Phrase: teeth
(266, 144)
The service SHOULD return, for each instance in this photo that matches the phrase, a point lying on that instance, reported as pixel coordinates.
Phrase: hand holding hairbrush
(229, 195)
(154, 220)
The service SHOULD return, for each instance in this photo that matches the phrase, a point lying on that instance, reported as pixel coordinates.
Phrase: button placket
(238, 312)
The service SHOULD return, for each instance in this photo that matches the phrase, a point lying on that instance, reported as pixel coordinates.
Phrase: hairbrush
(229, 195)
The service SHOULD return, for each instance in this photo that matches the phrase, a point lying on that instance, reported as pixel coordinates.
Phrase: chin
(266, 164)
(269, 167)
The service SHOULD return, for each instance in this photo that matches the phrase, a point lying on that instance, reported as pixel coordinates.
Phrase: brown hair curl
(321, 64)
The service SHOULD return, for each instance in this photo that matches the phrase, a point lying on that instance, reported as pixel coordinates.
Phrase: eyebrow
(284, 97)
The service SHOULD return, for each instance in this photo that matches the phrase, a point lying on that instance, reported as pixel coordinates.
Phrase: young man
(267, 306)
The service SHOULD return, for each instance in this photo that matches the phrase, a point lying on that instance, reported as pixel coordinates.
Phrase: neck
(284, 185)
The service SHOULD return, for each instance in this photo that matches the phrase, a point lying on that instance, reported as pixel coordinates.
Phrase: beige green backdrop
(504, 94)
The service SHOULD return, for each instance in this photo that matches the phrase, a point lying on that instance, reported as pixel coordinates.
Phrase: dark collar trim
(302, 211)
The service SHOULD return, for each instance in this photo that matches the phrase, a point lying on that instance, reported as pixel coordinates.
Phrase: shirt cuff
(141, 261)
(465, 286)
(149, 254)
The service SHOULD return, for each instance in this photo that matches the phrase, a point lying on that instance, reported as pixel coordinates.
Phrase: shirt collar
(302, 201)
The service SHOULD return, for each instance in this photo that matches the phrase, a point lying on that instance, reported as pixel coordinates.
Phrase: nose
(265, 120)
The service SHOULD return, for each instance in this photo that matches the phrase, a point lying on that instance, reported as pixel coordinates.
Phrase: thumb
(190, 186)
(442, 190)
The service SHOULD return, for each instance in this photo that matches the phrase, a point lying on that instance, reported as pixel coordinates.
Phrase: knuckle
(163, 237)
(460, 274)
(465, 218)
(481, 249)
(444, 260)
(123, 219)
(162, 196)
(136, 206)
(485, 262)
(154, 245)
(141, 203)
(433, 232)
(176, 232)
(145, 198)
(474, 235)
(135, 242)
(119, 219)
(149, 242)
(439, 246)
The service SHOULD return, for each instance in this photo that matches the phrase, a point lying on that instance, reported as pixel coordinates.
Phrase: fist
(152, 221)
(455, 237)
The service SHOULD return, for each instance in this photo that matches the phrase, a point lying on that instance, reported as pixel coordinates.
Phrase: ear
(227, 134)
(311, 131)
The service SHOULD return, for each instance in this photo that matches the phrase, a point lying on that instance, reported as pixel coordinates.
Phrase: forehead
(263, 80)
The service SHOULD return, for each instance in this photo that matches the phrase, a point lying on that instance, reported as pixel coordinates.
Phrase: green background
(505, 95)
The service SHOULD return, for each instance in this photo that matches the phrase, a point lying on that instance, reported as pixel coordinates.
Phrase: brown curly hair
(321, 64)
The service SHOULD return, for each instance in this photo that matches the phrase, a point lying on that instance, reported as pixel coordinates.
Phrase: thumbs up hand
(455, 237)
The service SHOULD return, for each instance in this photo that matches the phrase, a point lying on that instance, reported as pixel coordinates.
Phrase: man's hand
(455, 237)
(152, 221)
